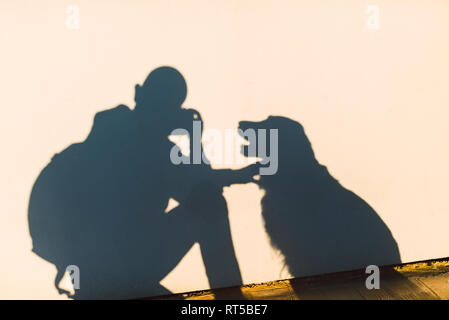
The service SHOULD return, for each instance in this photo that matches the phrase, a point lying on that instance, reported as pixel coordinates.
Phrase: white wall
(373, 104)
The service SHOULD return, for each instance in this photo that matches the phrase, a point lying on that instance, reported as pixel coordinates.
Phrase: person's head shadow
(101, 204)
(317, 225)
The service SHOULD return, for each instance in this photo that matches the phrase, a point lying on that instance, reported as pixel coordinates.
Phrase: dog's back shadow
(318, 225)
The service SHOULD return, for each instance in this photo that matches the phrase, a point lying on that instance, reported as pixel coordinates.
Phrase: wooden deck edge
(427, 279)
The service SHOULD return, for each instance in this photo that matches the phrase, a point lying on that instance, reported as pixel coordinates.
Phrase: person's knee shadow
(317, 225)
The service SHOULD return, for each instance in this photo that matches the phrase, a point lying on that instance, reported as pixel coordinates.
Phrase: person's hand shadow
(247, 174)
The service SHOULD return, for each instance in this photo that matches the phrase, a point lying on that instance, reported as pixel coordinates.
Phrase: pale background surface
(373, 104)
